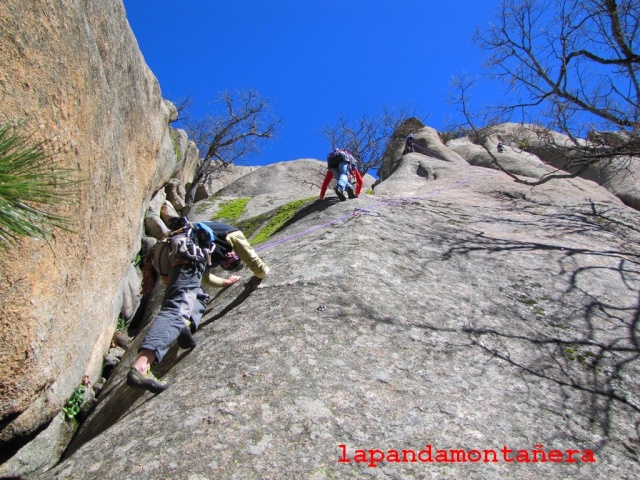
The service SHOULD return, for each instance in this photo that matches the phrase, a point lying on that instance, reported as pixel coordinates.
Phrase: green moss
(369, 191)
(232, 209)
(586, 358)
(283, 214)
(570, 352)
(251, 226)
(558, 325)
(527, 301)
(175, 139)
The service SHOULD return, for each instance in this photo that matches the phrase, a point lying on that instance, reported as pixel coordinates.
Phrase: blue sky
(313, 60)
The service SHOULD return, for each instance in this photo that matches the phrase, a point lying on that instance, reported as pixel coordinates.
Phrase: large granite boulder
(463, 315)
(512, 159)
(71, 73)
(454, 313)
(269, 187)
(222, 177)
(532, 152)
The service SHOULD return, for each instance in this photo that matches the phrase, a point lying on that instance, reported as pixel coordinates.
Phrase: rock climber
(193, 250)
(341, 165)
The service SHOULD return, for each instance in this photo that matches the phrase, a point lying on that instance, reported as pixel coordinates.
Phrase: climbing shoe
(148, 381)
(351, 193)
(340, 194)
(185, 339)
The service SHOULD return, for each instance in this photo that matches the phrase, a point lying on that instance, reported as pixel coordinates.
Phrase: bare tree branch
(568, 66)
(367, 137)
(183, 106)
(245, 122)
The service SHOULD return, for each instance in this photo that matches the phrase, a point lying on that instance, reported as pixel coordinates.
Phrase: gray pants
(182, 302)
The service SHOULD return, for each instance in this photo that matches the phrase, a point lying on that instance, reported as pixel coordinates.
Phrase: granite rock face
(71, 73)
(456, 309)
(269, 187)
(529, 153)
(220, 179)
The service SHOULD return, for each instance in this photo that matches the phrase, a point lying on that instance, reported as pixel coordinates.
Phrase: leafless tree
(367, 137)
(244, 122)
(183, 106)
(570, 67)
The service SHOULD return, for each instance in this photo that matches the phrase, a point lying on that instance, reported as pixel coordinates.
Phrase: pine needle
(31, 183)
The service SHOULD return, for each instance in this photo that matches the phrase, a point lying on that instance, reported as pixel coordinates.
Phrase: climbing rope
(415, 145)
(366, 210)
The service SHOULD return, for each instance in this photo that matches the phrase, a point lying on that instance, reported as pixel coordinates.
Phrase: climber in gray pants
(191, 249)
(182, 308)
(183, 302)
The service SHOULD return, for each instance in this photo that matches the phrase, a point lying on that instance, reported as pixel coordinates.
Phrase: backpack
(220, 248)
(161, 263)
(180, 246)
(337, 156)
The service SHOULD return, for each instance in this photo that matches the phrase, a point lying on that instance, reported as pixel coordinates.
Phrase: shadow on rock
(314, 207)
(581, 334)
(117, 399)
(249, 287)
